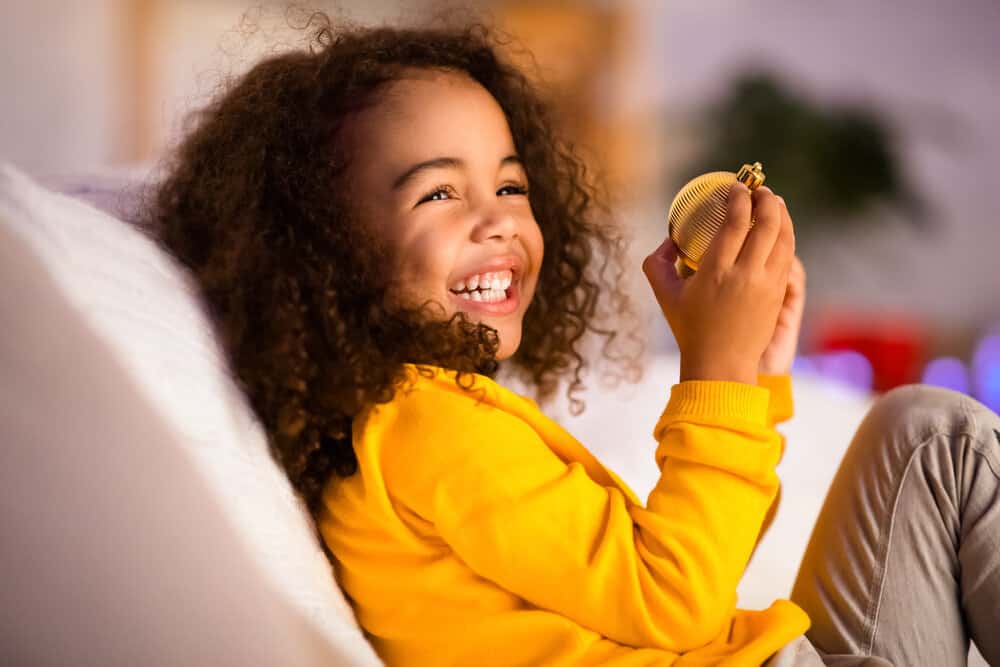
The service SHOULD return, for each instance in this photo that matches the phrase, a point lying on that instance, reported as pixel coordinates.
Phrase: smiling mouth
(499, 295)
(488, 287)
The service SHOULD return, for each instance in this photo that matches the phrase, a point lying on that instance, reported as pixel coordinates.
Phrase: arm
(780, 409)
(662, 576)
(743, 307)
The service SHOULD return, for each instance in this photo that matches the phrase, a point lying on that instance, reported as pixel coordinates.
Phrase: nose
(495, 222)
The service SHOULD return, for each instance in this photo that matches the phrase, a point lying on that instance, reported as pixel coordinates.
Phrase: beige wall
(61, 83)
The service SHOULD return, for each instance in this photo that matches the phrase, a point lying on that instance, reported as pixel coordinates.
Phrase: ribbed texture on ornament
(698, 212)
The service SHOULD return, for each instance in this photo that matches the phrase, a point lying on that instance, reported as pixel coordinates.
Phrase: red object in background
(894, 344)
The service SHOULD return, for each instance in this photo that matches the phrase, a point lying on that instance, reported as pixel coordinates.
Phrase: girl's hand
(724, 316)
(780, 352)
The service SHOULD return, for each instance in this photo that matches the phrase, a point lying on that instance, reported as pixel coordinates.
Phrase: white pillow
(143, 305)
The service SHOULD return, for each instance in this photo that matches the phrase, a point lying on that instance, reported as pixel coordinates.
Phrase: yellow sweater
(482, 533)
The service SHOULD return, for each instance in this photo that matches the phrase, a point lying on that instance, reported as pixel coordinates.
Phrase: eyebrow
(441, 163)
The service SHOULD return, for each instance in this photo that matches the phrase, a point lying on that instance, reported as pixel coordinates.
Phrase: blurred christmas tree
(830, 163)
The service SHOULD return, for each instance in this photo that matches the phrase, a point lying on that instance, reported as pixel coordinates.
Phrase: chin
(509, 342)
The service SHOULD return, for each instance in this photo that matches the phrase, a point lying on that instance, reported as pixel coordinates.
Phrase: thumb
(660, 271)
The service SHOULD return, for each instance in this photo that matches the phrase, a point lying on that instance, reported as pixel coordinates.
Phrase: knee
(922, 410)
(916, 401)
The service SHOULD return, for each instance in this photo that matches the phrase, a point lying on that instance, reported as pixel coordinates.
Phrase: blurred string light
(981, 379)
(844, 366)
(948, 372)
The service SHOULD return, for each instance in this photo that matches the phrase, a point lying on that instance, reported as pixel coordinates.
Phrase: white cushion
(116, 552)
(143, 305)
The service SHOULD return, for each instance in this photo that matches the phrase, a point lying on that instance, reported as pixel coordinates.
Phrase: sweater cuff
(719, 398)
(782, 406)
(745, 445)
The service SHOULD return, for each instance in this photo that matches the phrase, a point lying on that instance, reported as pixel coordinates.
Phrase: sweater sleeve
(782, 406)
(780, 409)
(661, 576)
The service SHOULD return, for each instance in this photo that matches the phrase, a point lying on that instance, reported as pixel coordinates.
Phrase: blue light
(947, 372)
(847, 366)
(804, 365)
(986, 372)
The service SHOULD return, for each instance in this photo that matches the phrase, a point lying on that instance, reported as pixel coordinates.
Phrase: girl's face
(439, 179)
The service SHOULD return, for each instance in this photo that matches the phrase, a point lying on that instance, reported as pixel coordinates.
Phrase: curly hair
(254, 203)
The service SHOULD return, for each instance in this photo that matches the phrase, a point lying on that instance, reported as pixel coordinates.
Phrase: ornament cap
(751, 175)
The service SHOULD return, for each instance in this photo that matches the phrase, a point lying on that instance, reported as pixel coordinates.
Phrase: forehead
(432, 113)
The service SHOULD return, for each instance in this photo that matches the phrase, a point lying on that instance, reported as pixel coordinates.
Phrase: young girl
(380, 222)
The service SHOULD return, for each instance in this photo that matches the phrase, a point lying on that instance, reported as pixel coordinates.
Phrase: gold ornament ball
(699, 211)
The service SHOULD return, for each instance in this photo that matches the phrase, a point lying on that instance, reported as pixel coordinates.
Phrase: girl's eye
(445, 192)
(440, 193)
(512, 189)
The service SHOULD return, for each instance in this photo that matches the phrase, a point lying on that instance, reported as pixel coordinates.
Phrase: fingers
(768, 225)
(795, 294)
(782, 253)
(797, 277)
(660, 272)
(725, 247)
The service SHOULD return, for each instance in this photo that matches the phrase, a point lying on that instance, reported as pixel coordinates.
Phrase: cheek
(539, 244)
(425, 264)
(536, 248)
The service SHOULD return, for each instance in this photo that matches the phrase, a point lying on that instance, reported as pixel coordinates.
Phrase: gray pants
(903, 565)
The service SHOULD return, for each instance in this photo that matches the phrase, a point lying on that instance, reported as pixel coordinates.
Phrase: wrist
(774, 366)
(781, 369)
(745, 373)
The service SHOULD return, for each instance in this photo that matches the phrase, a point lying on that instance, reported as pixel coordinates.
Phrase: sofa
(143, 519)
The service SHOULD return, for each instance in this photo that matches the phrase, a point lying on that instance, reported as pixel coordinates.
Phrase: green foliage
(829, 163)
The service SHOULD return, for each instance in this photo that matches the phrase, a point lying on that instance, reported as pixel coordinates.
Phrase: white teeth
(491, 280)
(485, 296)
